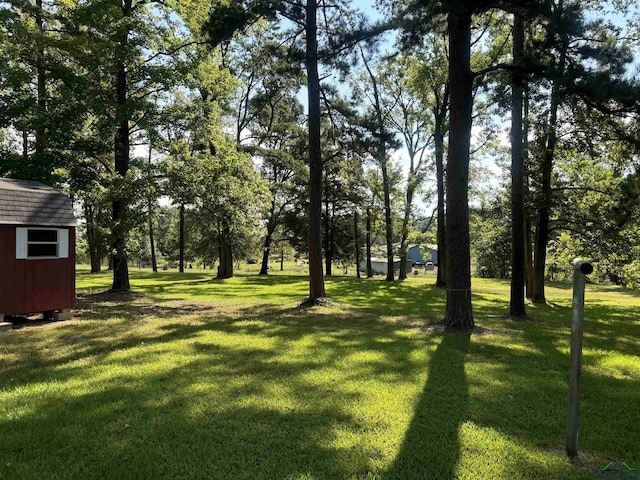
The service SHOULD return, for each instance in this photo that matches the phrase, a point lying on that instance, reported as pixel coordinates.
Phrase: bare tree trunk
(405, 225)
(92, 241)
(381, 158)
(152, 243)
(264, 267)
(441, 235)
(316, 277)
(282, 260)
(369, 267)
(544, 211)
(356, 234)
(181, 240)
(528, 247)
(516, 305)
(459, 313)
(122, 159)
(225, 268)
(25, 145)
(271, 227)
(328, 250)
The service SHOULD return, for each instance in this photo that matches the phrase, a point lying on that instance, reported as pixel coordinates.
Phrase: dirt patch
(440, 329)
(108, 304)
(316, 302)
(509, 318)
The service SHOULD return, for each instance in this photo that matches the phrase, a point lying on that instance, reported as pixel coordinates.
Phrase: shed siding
(28, 286)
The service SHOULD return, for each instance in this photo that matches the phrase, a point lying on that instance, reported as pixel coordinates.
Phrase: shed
(379, 265)
(37, 250)
(414, 252)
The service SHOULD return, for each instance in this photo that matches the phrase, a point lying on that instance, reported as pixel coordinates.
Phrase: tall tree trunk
(122, 159)
(528, 246)
(528, 259)
(516, 304)
(544, 210)
(316, 277)
(328, 251)
(387, 216)
(459, 314)
(356, 235)
(282, 259)
(25, 145)
(225, 268)
(271, 227)
(441, 234)
(264, 267)
(152, 243)
(181, 239)
(369, 267)
(405, 223)
(92, 240)
(381, 158)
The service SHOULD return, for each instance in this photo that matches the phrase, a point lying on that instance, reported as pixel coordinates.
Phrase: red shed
(37, 250)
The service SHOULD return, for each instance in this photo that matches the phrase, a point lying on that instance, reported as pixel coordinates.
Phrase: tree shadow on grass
(431, 446)
(237, 411)
(158, 425)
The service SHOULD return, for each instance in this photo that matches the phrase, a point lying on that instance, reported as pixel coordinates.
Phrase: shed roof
(25, 202)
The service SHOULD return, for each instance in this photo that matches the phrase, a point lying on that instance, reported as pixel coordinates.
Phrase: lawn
(193, 378)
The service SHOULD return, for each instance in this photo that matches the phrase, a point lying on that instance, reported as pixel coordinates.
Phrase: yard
(191, 378)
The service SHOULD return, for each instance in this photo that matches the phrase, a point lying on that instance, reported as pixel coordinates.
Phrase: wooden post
(581, 269)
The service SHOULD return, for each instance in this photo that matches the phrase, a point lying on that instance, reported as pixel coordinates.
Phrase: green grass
(194, 378)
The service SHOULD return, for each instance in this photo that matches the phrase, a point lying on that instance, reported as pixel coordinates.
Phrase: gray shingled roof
(32, 203)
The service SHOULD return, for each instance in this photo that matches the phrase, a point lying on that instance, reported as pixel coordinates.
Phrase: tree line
(280, 123)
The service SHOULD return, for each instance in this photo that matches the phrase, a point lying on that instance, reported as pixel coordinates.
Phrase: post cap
(583, 265)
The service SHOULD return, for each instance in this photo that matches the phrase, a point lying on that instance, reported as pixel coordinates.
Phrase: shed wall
(36, 285)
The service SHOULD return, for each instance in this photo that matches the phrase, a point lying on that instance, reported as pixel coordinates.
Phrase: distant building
(414, 253)
(379, 265)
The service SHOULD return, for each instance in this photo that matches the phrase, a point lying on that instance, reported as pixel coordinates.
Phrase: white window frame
(22, 243)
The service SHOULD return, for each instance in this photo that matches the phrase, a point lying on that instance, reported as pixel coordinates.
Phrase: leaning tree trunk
(316, 277)
(516, 304)
(122, 159)
(459, 314)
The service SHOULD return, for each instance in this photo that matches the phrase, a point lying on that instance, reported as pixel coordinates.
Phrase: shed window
(42, 243)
